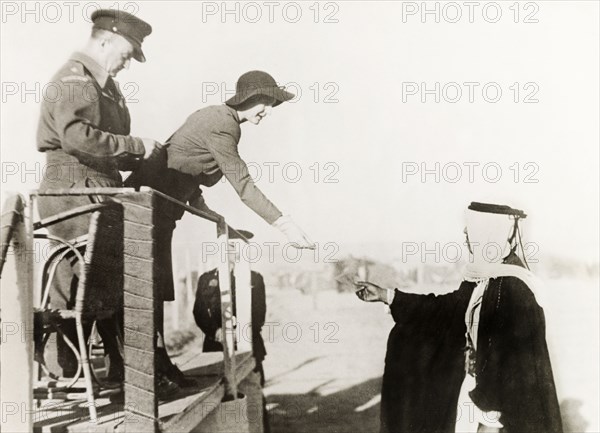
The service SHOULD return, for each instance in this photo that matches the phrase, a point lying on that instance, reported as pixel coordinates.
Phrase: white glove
(295, 235)
(219, 335)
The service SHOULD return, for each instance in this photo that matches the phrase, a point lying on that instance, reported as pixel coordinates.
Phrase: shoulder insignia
(74, 78)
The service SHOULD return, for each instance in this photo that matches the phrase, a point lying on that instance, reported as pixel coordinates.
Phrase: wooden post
(175, 306)
(243, 301)
(227, 325)
(189, 288)
(140, 305)
(16, 349)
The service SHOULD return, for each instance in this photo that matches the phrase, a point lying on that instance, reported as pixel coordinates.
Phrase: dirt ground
(324, 363)
(326, 354)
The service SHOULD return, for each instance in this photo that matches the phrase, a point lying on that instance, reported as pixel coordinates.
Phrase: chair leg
(92, 340)
(85, 363)
(43, 367)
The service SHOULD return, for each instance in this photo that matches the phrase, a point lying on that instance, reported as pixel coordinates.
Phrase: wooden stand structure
(220, 375)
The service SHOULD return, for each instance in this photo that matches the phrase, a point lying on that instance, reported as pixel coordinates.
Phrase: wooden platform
(141, 410)
(182, 413)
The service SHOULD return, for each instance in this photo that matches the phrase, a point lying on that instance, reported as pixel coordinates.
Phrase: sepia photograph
(300, 216)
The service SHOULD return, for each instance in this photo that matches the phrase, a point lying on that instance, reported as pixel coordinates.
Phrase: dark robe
(424, 366)
(207, 312)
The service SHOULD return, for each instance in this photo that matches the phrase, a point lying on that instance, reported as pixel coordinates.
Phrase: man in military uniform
(84, 133)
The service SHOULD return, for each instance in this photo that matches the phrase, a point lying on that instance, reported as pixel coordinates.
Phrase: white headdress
(493, 234)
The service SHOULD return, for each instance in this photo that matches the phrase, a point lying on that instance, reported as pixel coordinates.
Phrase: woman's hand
(370, 292)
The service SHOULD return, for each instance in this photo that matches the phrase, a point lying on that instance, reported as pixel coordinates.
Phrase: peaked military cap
(122, 23)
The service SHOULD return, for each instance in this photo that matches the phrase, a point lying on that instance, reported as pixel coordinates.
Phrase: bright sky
(374, 130)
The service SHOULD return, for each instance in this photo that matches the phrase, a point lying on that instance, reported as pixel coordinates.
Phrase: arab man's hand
(370, 292)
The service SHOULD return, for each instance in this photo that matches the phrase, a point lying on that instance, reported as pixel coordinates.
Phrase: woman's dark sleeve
(223, 147)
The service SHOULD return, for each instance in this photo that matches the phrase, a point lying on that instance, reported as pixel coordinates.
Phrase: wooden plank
(144, 362)
(84, 191)
(141, 403)
(192, 210)
(136, 301)
(137, 318)
(245, 364)
(171, 409)
(136, 248)
(72, 213)
(195, 411)
(138, 342)
(139, 212)
(16, 354)
(226, 312)
(72, 416)
(205, 367)
(253, 411)
(138, 229)
(243, 302)
(139, 379)
(179, 415)
(140, 304)
(140, 267)
(138, 286)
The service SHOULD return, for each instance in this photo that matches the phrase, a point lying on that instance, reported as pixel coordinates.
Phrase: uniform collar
(97, 71)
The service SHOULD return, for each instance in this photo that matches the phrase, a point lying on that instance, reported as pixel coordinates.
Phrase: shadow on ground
(573, 420)
(347, 411)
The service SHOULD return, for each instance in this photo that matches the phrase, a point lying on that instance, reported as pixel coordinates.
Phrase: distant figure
(207, 312)
(476, 359)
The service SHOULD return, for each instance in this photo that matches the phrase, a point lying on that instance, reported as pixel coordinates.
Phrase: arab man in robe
(474, 360)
